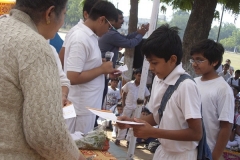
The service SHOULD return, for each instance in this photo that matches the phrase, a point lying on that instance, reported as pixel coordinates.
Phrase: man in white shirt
(84, 67)
(231, 69)
(225, 74)
(88, 4)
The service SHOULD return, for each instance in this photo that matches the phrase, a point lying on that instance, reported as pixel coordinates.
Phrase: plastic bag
(94, 140)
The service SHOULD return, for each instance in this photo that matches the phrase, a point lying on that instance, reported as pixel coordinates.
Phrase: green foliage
(180, 19)
(74, 12)
(233, 41)
(186, 5)
(225, 32)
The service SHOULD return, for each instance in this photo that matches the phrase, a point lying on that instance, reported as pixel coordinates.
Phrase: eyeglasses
(196, 61)
(109, 24)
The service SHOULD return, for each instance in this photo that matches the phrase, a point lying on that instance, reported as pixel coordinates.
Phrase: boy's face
(237, 104)
(225, 68)
(120, 110)
(114, 84)
(201, 65)
(160, 67)
(103, 26)
(237, 75)
(137, 77)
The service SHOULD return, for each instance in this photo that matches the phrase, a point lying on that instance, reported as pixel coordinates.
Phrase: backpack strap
(231, 80)
(169, 92)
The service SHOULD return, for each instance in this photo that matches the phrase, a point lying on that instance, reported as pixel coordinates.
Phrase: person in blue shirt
(57, 42)
(113, 40)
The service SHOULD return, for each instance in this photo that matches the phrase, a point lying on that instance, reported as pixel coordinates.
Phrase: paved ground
(120, 152)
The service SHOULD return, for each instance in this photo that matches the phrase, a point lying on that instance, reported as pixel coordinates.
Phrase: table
(101, 155)
(231, 155)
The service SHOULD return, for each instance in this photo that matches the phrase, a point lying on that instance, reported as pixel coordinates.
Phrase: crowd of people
(35, 84)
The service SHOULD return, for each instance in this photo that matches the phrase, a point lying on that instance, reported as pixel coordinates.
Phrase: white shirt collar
(87, 30)
(172, 78)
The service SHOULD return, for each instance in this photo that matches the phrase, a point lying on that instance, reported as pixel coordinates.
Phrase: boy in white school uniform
(113, 95)
(216, 95)
(84, 67)
(129, 101)
(180, 128)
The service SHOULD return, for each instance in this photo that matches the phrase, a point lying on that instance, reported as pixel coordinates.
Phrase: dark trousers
(103, 98)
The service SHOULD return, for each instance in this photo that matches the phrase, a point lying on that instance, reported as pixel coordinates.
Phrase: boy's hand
(122, 125)
(142, 131)
(115, 74)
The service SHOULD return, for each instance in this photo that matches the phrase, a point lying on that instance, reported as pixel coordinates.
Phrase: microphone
(108, 56)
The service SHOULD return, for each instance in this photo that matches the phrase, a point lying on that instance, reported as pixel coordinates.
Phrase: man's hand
(143, 29)
(115, 74)
(142, 131)
(107, 67)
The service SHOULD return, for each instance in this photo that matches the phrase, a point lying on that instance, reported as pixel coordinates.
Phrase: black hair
(163, 43)
(88, 4)
(119, 104)
(228, 60)
(35, 8)
(211, 50)
(226, 65)
(119, 12)
(237, 71)
(115, 79)
(103, 8)
(144, 109)
(137, 70)
(236, 88)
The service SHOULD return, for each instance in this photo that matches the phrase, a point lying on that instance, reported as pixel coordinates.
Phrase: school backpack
(204, 153)
(152, 146)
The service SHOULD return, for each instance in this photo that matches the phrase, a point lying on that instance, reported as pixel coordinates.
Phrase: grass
(235, 59)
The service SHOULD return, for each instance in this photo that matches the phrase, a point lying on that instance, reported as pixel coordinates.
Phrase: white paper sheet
(122, 69)
(69, 112)
(110, 116)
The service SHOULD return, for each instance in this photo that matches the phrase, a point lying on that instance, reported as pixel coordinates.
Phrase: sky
(144, 11)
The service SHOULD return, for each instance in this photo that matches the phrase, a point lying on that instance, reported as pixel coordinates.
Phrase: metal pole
(219, 29)
(141, 91)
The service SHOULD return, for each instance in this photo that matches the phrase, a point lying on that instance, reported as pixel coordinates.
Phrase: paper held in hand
(110, 116)
(69, 112)
(122, 69)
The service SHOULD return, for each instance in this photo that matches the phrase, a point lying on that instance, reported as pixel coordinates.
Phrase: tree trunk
(132, 27)
(198, 27)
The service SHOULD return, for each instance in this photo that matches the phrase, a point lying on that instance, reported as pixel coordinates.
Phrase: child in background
(235, 135)
(129, 100)
(180, 128)
(119, 113)
(145, 112)
(225, 74)
(234, 81)
(216, 94)
(113, 95)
